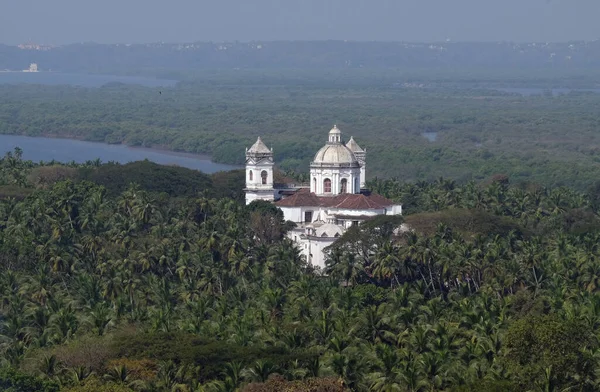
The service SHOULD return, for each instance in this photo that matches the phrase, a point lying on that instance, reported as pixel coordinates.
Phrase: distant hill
(122, 58)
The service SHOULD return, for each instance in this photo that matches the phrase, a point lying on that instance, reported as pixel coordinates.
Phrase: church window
(264, 176)
(251, 175)
(308, 216)
(315, 184)
(344, 186)
(327, 185)
(356, 185)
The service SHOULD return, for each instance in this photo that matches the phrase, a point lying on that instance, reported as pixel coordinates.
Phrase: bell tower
(361, 157)
(259, 173)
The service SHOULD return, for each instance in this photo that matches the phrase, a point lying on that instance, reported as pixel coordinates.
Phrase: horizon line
(446, 41)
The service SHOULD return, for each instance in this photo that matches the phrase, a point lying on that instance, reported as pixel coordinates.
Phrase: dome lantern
(335, 135)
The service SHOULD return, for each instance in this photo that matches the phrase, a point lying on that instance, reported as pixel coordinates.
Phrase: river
(528, 91)
(67, 150)
(75, 79)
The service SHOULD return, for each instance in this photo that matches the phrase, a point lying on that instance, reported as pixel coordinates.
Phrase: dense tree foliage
(551, 140)
(13, 381)
(18, 177)
(494, 287)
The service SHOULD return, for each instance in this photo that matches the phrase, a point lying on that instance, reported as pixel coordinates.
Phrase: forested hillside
(145, 289)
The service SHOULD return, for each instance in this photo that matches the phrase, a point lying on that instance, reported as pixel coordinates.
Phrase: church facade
(334, 200)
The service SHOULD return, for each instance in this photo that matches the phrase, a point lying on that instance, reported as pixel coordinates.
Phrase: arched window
(264, 176)
(327, 185)
(344, 186)
(356, 185)
(315, 184)
(251, 175)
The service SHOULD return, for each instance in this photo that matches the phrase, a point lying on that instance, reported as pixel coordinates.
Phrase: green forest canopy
(143, 289)
(550, 140)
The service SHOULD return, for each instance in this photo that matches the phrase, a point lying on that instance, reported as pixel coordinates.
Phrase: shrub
(210, 356)
(466, 222)
(89, 352)
(139, 369)
(14, 192)
(45, 176)
(151, 177)
(14, 381)
(279, 384)
(546, 348)
(93, 384)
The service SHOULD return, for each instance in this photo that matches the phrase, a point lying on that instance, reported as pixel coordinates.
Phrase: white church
(335, 200)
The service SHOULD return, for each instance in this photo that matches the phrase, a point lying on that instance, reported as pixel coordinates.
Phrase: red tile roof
(362, 201)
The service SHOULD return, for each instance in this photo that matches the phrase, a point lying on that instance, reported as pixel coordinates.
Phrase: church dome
(334, 153)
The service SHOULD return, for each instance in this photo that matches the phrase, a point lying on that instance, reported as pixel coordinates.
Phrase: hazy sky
(137, 21)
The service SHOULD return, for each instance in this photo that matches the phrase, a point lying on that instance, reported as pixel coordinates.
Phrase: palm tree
(119, 374)
(80, 374)
(100, 318)
(344, 266)
(374, 322)
(387, 264)
(49, 366)
(64, 323)
(259, 371)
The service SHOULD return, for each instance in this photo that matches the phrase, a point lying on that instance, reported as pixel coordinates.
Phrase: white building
(33, 67)
(335, 199)
(259, 173)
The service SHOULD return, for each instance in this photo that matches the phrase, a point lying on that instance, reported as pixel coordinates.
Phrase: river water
(67, 150)
(527, 91)
(74, 79)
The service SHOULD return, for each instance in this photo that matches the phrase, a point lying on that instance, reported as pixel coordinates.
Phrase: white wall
(267, 194)
(316, 247)
(343, 211)
(293, 214)
(395, 210)
(296, 214)
(312, 248)
(256, 181)
(335, 175)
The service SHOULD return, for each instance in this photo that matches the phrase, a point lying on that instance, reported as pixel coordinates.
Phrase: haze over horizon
(141, 21)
